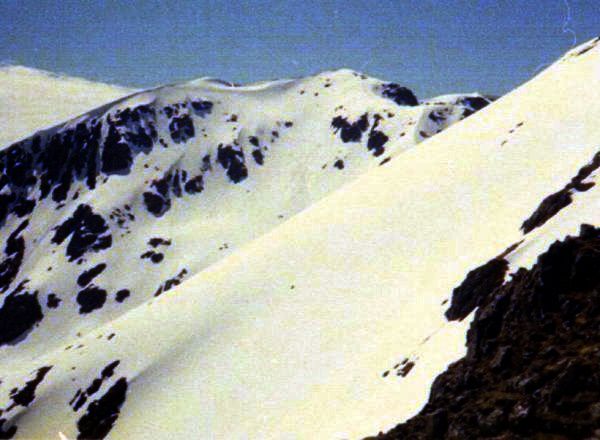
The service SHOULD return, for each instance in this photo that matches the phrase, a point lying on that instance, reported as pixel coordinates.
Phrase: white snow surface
(31, 99)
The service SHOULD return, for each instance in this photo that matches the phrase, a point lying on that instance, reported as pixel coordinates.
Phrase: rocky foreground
(531, 369)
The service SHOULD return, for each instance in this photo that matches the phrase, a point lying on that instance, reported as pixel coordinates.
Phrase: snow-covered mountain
(168, 181)
(208, 261)
(31, 99)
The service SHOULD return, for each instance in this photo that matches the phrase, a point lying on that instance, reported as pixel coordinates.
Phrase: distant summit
(31, 99)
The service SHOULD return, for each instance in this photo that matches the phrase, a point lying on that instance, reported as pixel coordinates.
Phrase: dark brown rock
(533, 350)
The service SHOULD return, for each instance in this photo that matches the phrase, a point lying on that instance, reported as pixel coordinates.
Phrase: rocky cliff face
(532, 354)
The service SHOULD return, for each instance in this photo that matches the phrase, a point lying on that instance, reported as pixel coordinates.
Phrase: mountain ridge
(191, 154)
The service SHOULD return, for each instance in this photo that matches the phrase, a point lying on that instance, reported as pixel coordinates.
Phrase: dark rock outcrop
(533, 350)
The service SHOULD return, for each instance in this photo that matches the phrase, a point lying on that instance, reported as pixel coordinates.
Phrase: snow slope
(303, 331)
(31, 99)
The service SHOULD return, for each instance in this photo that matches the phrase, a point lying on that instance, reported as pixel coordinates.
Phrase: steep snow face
(534, 294)
(31, 99)
(120, 205)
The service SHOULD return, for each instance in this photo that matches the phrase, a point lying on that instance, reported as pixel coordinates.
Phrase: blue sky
(433, 47)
